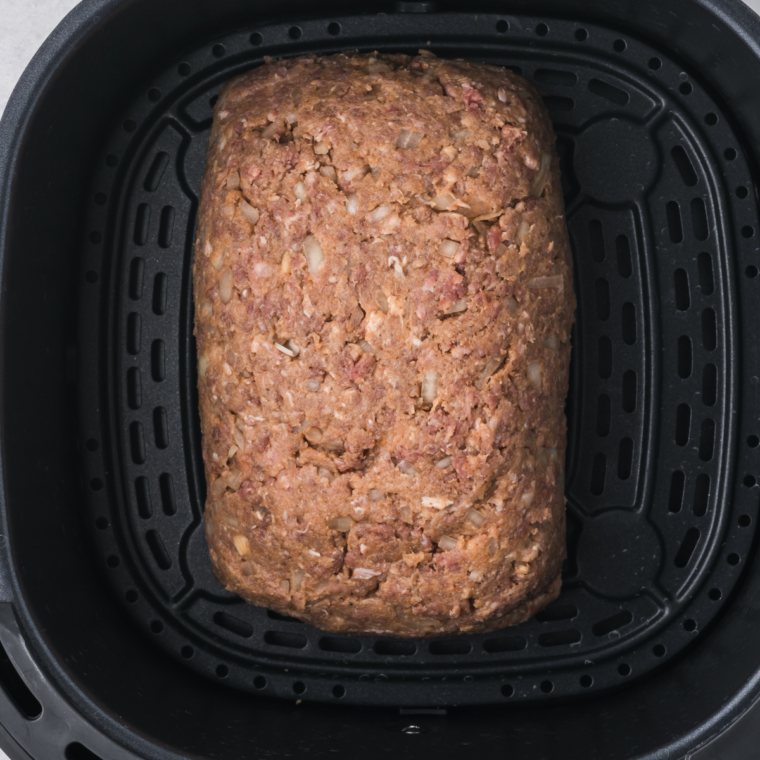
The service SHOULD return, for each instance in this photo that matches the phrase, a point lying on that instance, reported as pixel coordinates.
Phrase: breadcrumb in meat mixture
(383, 303)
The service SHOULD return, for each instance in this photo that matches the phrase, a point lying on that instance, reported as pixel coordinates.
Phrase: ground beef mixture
(383, 303)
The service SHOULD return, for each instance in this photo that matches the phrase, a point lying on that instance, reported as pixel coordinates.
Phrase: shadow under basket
(116, 641)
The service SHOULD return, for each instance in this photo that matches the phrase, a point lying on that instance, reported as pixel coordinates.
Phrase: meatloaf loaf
(383, 303)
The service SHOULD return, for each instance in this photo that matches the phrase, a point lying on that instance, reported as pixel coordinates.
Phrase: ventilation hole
(542, 30)
(450, 646)
(687, 547)
(624, 669)
(112, 561)
(134, 333)
(629, 391)
(16, 690)
(166, 227)
(684, 357)
(623, 247)
(559, 638)
(596, 239)
(502, 26)
(629, 323)
(272, 615)
(256, 39)
(709, 384)
(507, 690)
(233, 625)
(742, 192)
(547, 687)
(658, 650)
(681, 282)
(338, 692)
(555, 612)
(581, 35)
(134, 388)
(166, 489)
(745, 521)
(711, 119)
(154, 95)
(684, 166)
(112, 160)
(131, 596)
(655, 63)
(285, 639)
(709, 330)
(605, 357)
(295, 32)
(608, 91)
(749, 481)
(160, 427)
(334, 27)
(586, 681)
(733, 559)
(602, 299)
(706, 283)
(558, 103)
(701, 494)
(260, 682)
(213, 101)
(101, 523)
(343, 646)
(395, 648)
(142, 226)
(95, 238)
(690, 625)
(603, 415)
(613, 623)
(142, 494)
(675, 499)
(504, 644)
(218, 51)
(555, 77)
(158, 550)
(187, 652)
(77, 751)
(137, 442)
(136, 272)
(625, 458)
(751, 271)
(707, 440)
(699, 219)
(685, 88)
(748, 231)
(96, 484)
(184, 69)
(222, 671)
(156, 171)
(156, 627)
(729, 154)
(158, 361)
(753, 441)
(683, 424)
(160, 293)
(619, 46)
(299, 687)
(130, 125)
(598, 471)
(675, 227)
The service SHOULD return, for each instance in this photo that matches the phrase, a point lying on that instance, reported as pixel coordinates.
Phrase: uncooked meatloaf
(383, 303)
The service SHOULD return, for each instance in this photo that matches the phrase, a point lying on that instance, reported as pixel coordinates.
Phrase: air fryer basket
(113, 609)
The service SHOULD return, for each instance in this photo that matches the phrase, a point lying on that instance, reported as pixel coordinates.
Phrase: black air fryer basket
(117, 642)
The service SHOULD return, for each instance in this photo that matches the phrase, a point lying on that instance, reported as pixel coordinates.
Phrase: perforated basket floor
(663, 407)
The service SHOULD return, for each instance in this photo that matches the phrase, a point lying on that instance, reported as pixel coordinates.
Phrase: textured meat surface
(383, 303)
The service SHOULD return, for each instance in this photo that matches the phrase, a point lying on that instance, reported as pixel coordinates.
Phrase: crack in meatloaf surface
(383, 303)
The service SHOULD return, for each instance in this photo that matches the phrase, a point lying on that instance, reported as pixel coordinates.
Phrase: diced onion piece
(406, 514)
(217, 257)
(407, 468)
(449, 248)
(375, 494)
(342, 524)
(436, 502)
(217, 488)
(225, 286)
(250, 213)
(292, 118)
(552, 281)
(227, 211)
(512, 306)
(366, 347)
(522, 231)
(242, 544)
(527, 498)
(502, 95)
(329, 172)
(442, 464)
(297, 580)
(447, 543)
(232, 521)
(355, 172)
(285, 587)
(207, 308)
(534, 375)
(462, 134)
(203, 362)
(300, 191)
(323, 472)
(408, 139)
(458, 306)
(522, 568)
(491, 366)
(475, 517)
(552, 342)
(292, 346)
(493, 547)
(233, 479)
(539, 181)
(313, 252)
(313, 385)
(430, 386)
(321, 148)
(231, 453)
(297, 132)
(285, 263)
(364, 573)
(382, 301)
(239, 438)
(352, 203)
(444, 201)
(480, 227)
(313, 435)
(270, 131)
(380, 212)
(476, 575)
(233, 181)
(285, 350)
